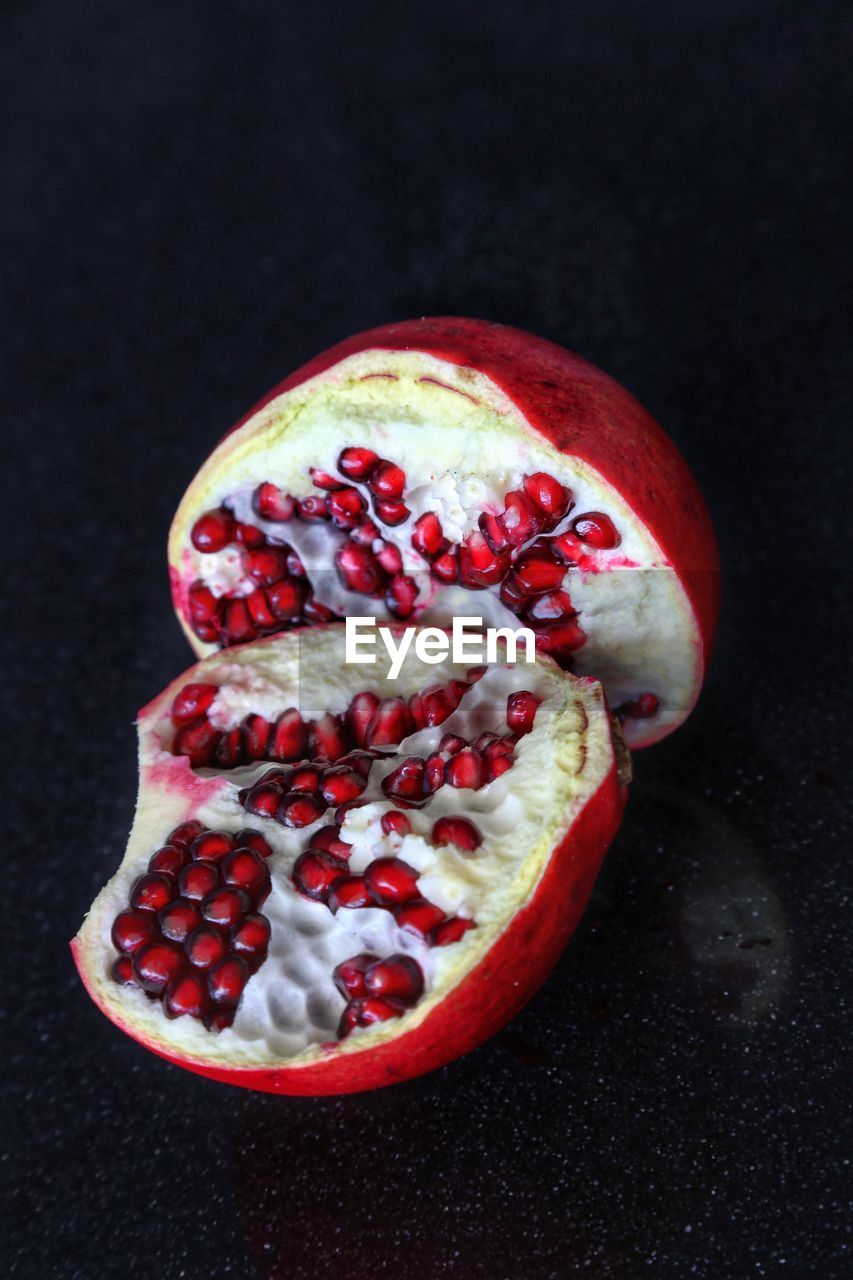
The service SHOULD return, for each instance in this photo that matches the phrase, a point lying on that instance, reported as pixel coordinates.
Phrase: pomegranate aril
(314, 871)
(399, 977)
(295, 567)
(452, 744)
(186, 996)
(178, 919)
(366, 533)
(305, 777)
(513, 595)
(458, 831)
(203, 603)
(225, 906)
(329, 739)
(270, 503)
(219, 1018)
(418, 916)
(312, 508)
(367, 1011)
(197, 741)
(263, 799)
(536, 571)
(237, 624)
(169, 858)
(521, 708)
(266, 565)
(290, 737)
(439, 702)
(428, 537)
(315, 612)
(192, 701)
(466, 769)
(251, 937)
(132, 929)
(299, 809)
(157, 964)
(341, 784)
(346, 507)
(391, 512)
(245, 869)
(205, 946)
(286, 599)
(391, 723)
(397, 822)
(226, 980)
(550, 606)
(493, 532)
(387, 480)
(391, 881)
(358, 569)
(360, 714)
(446, 566)
(642, 707)
(329, 839)
(212, 846)
(560, 639)
(213, 530)
(152, 891)
(249, 536)
(256, 736)
(184, 834)
(348, 976)
(357, 463)
(122, 972)
(361, 761)
(596, 530)
(251, 839)
(259, 609)
(349, 891)
(479, 566)
(450, 931)
(209, 632)
(566, 548)
(551, 498)
(433, 772)
(230, 751)
(401, 596)
(324, 480)
(198, 880)
(405, 784)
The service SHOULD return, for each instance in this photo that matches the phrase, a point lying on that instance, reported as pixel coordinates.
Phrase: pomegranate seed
(179, 918)
(457, 831)
(314, 871)
(226, 980)
(247, 870)
(192, 701)
(170, 858)
(225, 906)
(512, 594)
(156, 965)
(452, 744)
(346, 507)
(266, 565)
(391, 723)
(263, 799)
(312, 508)
(299, 809)
(259, 609)
(183, 835)
(207, 631)
(213, 531)
(479, 566)
(361, 761)
(566, 548)
(399, 977)
(418, 916)
(391, 881)
(366, 1012)
(366, 533)
(256, 736)
(198, 880)
(466, 769)
(122, 971)
(348, 976)
(314, 612)
(389, 557)
(212, 846)
(548, 496)
(401, 595)
(152, 891)
(433, 772)
(237, 622)
(450, 931)
(550, 606)
(521, 711)
(329, 738)
(360, 714)
(358, 570)
(390, 512)
(397, 822)
(641, 708)
(329, 839)
(493, 532)
(197, 741)
(439, 702)
(357, 463)
(324, 480)
(499, 766)
(286, 599)
(405, 784)
(188, 996)
(387, 480)
(229, 751)
(428, 536)
(202, 602)
(305, 777)
(446, 566)
(536, 571)
(520, 520)
(205, 946)
(341, 784)
(348, 891)
(251, 937)
(596, 530)
(560, 639)
(295, 567)
(290, 737)
(250, 839)
(220, 1018)
(249, 536)
(132, 929)
(270, 503)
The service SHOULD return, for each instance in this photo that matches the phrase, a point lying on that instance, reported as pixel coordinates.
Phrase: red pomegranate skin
(584, 413)
(488, 997)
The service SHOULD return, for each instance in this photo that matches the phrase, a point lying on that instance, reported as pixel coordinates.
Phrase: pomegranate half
(336, 880)
(451, 466)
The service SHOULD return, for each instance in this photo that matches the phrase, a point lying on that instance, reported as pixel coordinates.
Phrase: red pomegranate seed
(329, 739)
(341, 784)
(348, 976)
(449, 931)
(132, 929)
(263, 799)
(183, 835)
(198, 880)
(225, 906)
(348, 891)
(290, 737)
(152, 891)
(397, 822)
(257, 732)
(324, 480)
(230, 751)
(295, 567)
(439, 702)
(596, 530)
(299, 809)
(270, 503)
(566, 548)
(157, 964)
(213, 531)
(312, 508)
(428, 536)
(446, 566)
(357, 463)
(329, 839)
(266, 565)
(457, 831)
(391, 723)
(346, 507)
(391, 881)
(389, 558)
(249, 536)
(122, 972)
(315, 612)
(499, 766)
(550, 606)
(360, 714)
(418, 916)
(493, 531)
(452, 744)
(521, 520)
(192, 701)
(641, 708)
(219, 1018)
(366, 1012)
(536, 571)
(237, 622)
(251, 937)
(226, 980)
(405, 784)
(197, 741)
(251, 839)
(207, 631)
(259, 609)
(387, 480)
(179, 918)
(479, 566)
(358, 569)
(548, 496)
(366, 533)
(212, 846)
(186, 996)
(560, 639)
(247, 870)
(203, 603)
(433, 772)
(286, 599)
(466, 769)
(305, 777)
(512, 594)
(521, 711)
(169, 858)
(399, 977)
(206, 945)
(314, 871)
(361, 761)
(401, 596)
(390, 512)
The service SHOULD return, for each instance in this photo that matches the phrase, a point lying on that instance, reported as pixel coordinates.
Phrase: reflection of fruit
(458, 467)
(385, 916)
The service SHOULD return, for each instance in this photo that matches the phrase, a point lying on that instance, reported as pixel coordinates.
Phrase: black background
(197, 197)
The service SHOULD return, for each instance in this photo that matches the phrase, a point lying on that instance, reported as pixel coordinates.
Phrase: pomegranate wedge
(336, 881)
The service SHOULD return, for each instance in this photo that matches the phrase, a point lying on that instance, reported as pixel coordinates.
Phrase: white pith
(463, 445)
(290, 1007)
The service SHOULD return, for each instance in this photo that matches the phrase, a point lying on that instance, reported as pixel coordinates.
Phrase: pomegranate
(450, 466)
(455, 821)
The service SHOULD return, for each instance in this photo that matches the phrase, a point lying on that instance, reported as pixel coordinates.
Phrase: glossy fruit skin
(484, 1001)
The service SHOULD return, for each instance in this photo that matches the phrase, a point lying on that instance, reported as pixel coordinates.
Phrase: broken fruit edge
(471, 1012)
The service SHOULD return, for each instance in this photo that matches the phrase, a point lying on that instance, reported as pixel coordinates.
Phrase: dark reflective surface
(200, 197)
